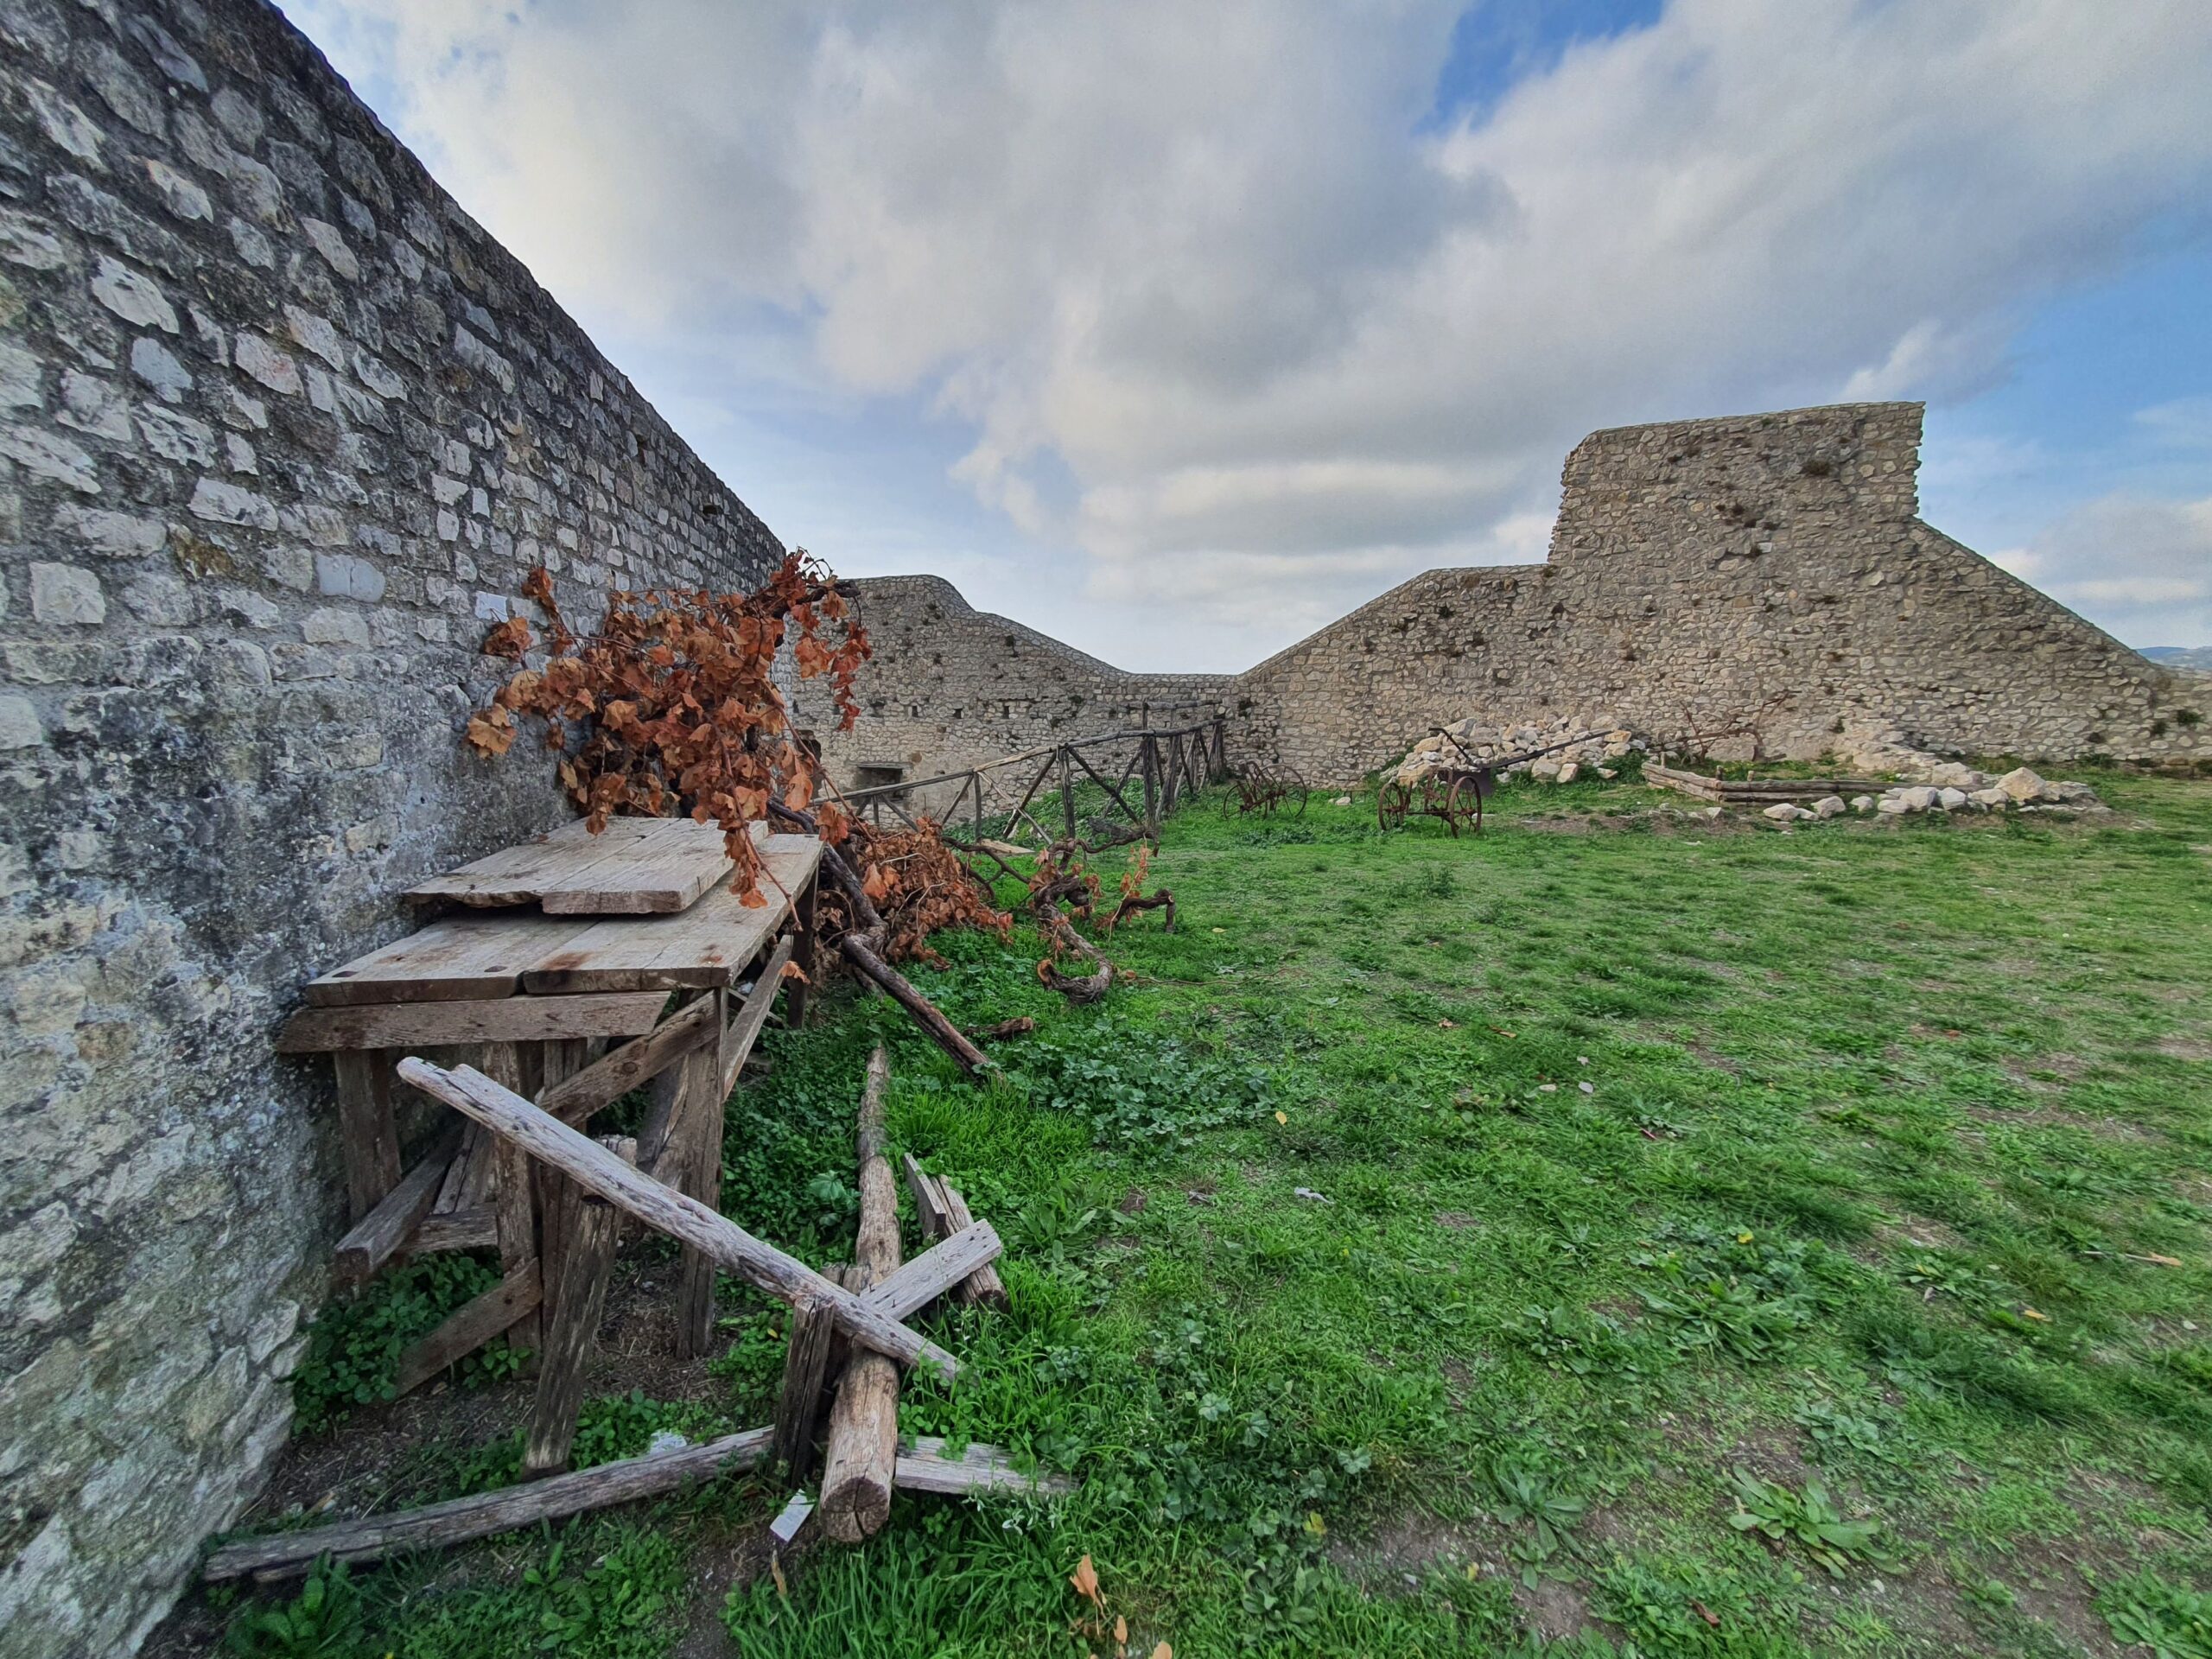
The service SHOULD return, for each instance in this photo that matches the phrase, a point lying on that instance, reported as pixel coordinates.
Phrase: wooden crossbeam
(488, 1019)
(609, 1078)
(591, 1167)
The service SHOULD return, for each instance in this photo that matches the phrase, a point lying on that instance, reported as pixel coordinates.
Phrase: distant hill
(2181, 656)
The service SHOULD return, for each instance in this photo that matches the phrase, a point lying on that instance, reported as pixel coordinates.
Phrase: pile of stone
(1952, 786)
(1592, 745)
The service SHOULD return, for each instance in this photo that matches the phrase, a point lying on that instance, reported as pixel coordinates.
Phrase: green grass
(1727, 1242)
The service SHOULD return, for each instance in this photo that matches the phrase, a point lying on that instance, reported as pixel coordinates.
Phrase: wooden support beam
(368, 1138)
(381, 1234)
(744, 1031)
(514, 1298)
(462, 1519)
(863, 1447)
(760, 1264)
(923, 1467)
(470, 1228)
(802, 938)
(514, 1205)
(489, 1019)
(799, 1407)
(587, 1228)
(700, 1112)
(573, 1100)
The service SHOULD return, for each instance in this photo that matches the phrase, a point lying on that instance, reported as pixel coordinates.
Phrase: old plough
(1454, 791)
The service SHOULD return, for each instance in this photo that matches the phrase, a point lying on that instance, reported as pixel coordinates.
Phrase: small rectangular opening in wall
(879, 777)
(809, 744)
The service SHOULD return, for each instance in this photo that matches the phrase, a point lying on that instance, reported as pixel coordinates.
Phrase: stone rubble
(1598, 739)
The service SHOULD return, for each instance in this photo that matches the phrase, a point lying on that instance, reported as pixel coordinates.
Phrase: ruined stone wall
(281, 429)
(949, 686)
(1763, 578)
(1764, 575)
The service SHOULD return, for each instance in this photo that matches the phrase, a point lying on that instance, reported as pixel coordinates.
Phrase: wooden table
(534, 1000)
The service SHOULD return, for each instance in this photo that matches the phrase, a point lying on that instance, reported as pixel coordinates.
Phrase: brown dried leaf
(1085, 1580)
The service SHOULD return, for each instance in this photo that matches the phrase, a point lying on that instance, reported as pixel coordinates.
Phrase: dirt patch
(1133, 1202)
(1396, 1555)
(1712, 1058)
(1459, 1220)
(2185, 1048)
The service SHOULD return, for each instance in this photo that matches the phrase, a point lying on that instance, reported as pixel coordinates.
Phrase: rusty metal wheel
(1392, 802)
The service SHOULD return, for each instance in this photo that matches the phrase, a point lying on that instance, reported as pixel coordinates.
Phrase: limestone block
(66, 595)
(1950, 799)
(1830, 806)
(2022, 785)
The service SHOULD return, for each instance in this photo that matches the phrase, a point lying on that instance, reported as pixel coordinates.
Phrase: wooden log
(924, 1467)
(368, 1137)
(490, 1020)
(934, 1272)
(701, 1114)
(606, 1080)
(942, 1030)
(579, 1270)
(459, 1520)
(381, 1234)
(863, 1442)
(752, 1014)
(759, 1264)
(799, 1407)
(470, 1327)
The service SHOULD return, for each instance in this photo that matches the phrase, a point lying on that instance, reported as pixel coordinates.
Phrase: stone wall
(281, 429)
(949, 686)
(1763, 578)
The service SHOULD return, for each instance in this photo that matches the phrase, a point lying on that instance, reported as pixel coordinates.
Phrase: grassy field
(1618, 1233)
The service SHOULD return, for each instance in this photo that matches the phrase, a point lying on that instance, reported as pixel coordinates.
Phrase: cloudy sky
(1177, 330)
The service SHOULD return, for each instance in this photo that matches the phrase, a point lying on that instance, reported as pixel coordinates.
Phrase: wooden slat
(798, 1406)
(501, 1020)
(379, 1236)
(700, 1127)
(611, 1076)
(633, 867)
(368, 1136)
(744, 1030)
(470, 1228)
(460, 1519)
(459, 958)
(935, 1271)
(709, 945)
(476, 1323)
(924, 1467)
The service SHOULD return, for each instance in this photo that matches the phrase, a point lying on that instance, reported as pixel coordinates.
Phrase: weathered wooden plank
(706, 946)
(760, 1264)
(633, 867)
(368, 1137)
(379, 1236)
(471, 1326)
(609, 1078)
(983, 1287)
(863, 1442)
(934, 1272)
(471, 1228)
(799, 1407)
(924, 1467)
(514, 1206)
(459, 1520)
(700, 1113)
(497, 1020)
(587, 1227)
(744, 1030)
(459, 958)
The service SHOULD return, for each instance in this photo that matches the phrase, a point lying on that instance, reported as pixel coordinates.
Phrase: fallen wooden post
(587, 1228)
(460, 1519)
(863, 1446)
(591, 1167)
(943, 1213)
(942, 1030)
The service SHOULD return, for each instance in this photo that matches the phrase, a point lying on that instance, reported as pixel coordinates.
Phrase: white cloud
(2138, 567)
(1217, 315)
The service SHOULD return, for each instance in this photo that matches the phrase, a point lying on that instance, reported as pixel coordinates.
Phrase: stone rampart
(280, 430)
(1760, 579)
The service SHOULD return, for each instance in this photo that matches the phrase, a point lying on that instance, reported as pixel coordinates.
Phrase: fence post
(1148, 764)
(1067, 792)
(1220, 748)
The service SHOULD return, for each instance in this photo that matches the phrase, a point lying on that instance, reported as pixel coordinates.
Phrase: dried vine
(671, 706)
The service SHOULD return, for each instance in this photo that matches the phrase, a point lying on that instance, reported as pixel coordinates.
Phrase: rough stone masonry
(281, 431)
(1763, 578)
